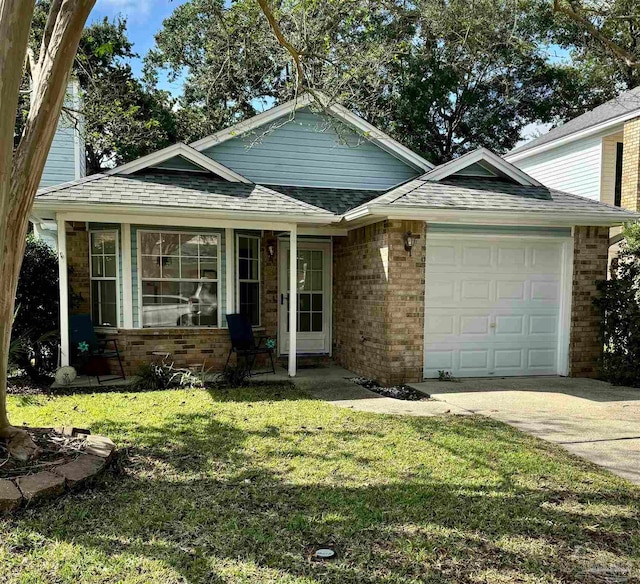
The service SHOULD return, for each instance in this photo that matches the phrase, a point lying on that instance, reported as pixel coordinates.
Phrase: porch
(163, 286)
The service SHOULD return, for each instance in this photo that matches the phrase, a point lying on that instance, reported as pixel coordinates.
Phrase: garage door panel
(479, 324)
(475, 290)
(493, 308)
(476, 255)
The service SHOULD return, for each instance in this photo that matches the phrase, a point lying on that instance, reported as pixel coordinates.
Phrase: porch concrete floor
(92, 381)
(589, 418)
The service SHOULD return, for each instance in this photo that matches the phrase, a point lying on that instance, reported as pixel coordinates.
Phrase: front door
(314, 297)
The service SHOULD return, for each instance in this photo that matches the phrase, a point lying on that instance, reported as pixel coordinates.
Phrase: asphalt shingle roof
(478, 194)
(337, 201)
(185, 190)
(625, 103)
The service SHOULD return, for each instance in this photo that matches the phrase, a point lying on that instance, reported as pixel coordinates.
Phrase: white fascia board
(148, 215)
(493, 160)
(461, 216)
(587, 132)
(372, 133)
(185, 151)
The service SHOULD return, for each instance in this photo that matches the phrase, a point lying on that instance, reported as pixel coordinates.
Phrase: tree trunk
(21, 171)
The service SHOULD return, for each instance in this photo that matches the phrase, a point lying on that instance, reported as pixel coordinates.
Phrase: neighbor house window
(179, 278)
(104, 277)
(617, 201)
(248, 247)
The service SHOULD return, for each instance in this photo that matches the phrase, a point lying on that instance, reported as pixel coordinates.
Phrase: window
(249, 277)
(179, 278)
(104, 277)
(618, 187)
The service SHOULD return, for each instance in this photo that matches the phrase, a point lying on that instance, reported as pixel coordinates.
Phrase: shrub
(35, 327)
(620, 300)
(232, 377)
(164, 375)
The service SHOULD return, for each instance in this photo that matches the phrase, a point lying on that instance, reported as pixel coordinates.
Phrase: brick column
(405, 302)
(590, 257)
(631, 165)
(379, 301)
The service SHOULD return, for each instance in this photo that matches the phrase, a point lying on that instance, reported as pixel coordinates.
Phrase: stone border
(47, 484)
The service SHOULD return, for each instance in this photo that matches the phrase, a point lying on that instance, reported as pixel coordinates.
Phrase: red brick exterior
(379, 301)
(590, 258)
(378, 304)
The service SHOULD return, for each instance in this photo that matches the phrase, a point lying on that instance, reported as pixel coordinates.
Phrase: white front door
(494, 306)
(314, 297)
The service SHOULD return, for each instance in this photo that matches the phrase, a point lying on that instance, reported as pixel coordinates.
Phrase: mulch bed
(55, 449)
(403, 392)
(27, 386)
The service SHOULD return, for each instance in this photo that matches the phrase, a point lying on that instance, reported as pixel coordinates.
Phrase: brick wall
(590, 259)
(194, 348)
(631, 165)
(78, 268)
(379, 301)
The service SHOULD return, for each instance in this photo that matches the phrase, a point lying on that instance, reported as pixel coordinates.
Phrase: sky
(144, 19)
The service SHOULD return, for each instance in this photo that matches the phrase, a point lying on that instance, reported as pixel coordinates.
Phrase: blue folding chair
(87, 345)
(243, 343)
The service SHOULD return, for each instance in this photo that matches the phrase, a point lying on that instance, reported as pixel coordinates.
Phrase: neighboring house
(596, 155)
(66, 160)
(401, 269)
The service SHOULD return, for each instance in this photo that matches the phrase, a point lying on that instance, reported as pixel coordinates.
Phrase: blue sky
(144, 19)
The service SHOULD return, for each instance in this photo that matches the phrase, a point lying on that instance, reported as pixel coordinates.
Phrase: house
(596, 155)
(401, 269)
(66, 160)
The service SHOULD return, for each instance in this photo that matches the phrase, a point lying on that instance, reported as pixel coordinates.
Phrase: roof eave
(103, 211)
(488, 217)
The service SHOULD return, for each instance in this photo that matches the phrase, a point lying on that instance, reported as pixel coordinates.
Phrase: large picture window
(248, 247)
(179, 278)
(104, 277)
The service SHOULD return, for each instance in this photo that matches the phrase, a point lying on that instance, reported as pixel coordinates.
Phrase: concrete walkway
(589, 418)
(333, 384)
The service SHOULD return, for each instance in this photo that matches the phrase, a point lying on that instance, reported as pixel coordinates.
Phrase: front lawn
(233, 487)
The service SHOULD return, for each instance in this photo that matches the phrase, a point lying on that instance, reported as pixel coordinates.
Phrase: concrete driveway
(589, 418)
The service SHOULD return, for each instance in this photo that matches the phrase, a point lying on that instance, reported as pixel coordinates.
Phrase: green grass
(232, 487)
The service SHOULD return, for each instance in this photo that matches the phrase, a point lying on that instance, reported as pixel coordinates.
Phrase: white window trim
(218, 281)
(237, 275)
(105, 279)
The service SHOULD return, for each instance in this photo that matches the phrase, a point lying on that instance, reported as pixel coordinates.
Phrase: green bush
(35, 327)
(164, 375)
(620, 300)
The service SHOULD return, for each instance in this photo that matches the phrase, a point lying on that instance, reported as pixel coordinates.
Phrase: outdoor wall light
(271, 251)
(408, 241)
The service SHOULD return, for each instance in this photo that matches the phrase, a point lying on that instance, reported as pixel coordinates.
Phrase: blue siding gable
(311, 150)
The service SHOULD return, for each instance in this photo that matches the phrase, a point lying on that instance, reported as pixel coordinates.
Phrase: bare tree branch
(575, 13)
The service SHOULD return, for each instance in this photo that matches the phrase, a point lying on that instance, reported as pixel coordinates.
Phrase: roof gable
(296, 144)
(624, 107)
(174, 154)
(335, 110)
(480, 163)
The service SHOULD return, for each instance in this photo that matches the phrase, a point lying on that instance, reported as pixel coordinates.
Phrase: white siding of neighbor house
(573, 167)
(311, 150)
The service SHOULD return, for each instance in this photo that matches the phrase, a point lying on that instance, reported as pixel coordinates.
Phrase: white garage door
(493, 306)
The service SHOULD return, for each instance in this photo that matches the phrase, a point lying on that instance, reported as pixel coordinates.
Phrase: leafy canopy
(441, 76)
